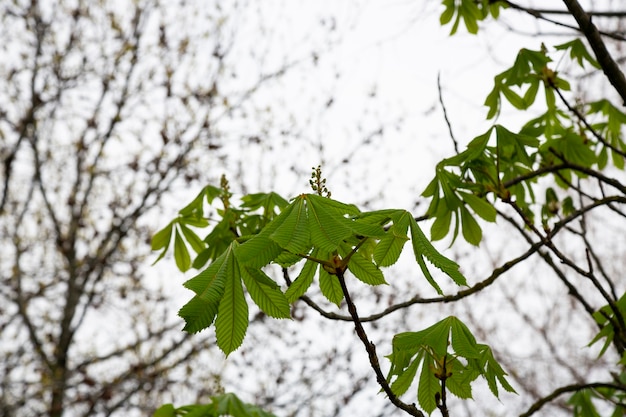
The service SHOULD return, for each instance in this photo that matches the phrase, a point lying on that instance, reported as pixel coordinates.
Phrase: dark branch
(606, 61)
(371, 352)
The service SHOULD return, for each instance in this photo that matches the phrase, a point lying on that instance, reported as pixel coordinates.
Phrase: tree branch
(371, 352)
(569, 388)
(606, 61)
(539, 14)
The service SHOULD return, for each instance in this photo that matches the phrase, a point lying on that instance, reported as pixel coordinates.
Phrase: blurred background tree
(105, 107)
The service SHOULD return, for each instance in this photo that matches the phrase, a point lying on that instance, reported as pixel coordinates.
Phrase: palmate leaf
(219, 291)
(430, 347)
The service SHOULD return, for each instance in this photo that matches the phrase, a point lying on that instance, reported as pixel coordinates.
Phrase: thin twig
(445, 115)
(583, 119)
(569, 388)
(537, 13)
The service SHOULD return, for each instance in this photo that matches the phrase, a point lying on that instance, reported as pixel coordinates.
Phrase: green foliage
(509, 169)
(463, 182)
(314, 229)
(610, 318)
(221, 405)
(583, 406)
(470, 11)
(327, 239)
(449, 357)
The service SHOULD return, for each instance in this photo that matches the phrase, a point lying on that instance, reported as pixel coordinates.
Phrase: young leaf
(181, 254)
(460, 382)
(480, 206)
(401, 384)
(232, 316)
(578, 51)
(166, 410)
(428, 385)
(258, 251)
(390, 246)
(293, 233)
(327, 224)
(209, 283)
(270, 299)
(441, 225)
(198, 314)
(268, 201)
(471, 230)
(463, 341)
(492, 371)
(515, 99)
(196, 243)
(330, 286)
(427, 274)
(423, 247)
(365, 270)
(435, 336)
(302, 282)
(231, 405)
(162, 238)
(583, 406)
